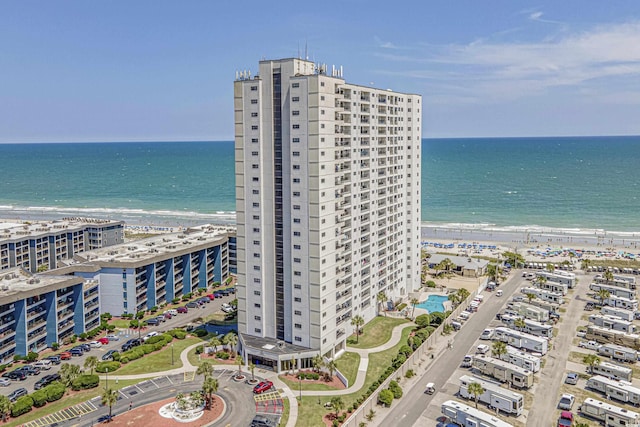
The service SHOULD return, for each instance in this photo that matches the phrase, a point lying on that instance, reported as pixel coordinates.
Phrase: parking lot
(181, 320)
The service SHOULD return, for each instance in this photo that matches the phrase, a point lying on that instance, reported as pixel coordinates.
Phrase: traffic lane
(410, 409)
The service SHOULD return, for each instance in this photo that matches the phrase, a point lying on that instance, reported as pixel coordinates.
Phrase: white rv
(613, 371)
(505, 400)
(559, 276)
(622, 313)
(549, 306)
(529, 311)
(626, 303)
(522, 340)
(611, 415)
(560, 288)
(503, 371)
(464, 415)
(613, 322)
(548, 296)
(628, 282)
(614, 290)
(531, 326)
(620, 390)
(611, 336)
(521, 359)
(618, 352)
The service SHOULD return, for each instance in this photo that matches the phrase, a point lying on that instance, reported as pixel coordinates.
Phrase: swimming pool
(434, 303)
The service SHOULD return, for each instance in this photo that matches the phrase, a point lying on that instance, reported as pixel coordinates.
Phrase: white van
(482, 349)
(149, 335)
(499, 293)
(43, 364)
(464, 315)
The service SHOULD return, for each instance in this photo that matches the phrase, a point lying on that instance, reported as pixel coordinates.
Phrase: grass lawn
(311, 409)
(348, 364)
(67, 401)
(195, 360)
(159, 360)
(285, 412)
(376, 332)
(295, 386)
(120, 323)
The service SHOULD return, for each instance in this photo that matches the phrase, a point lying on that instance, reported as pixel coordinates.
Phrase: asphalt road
(409, 409)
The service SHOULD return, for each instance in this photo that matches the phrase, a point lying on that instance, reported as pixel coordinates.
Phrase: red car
(103, 340)
(262, 387)
(211, 297)
(183, 310)
(65, 355)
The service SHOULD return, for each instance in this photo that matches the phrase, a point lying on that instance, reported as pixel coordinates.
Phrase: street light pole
(106, 384)
(172, 354)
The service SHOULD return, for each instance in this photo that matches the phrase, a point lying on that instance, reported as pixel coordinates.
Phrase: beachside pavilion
(462, 265)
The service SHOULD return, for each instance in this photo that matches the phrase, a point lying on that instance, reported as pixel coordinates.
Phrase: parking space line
(139, 389)
(123, 394)
(154, 383)
(169, 380)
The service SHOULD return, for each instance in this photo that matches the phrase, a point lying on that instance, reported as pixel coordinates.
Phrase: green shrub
(84, 382)
(155, 339)
(55, 346)
(200, 332)
(146, 348)
(423, 320)
(385, 397)
(140, 314)
(22, 406)
(200, 349)
(222, 355)
(111, 328)
(401, 306)
(430, 284)
(124, 360)
(134, 323)
(102, 367)
(83, 336)
(154, 309)
(54, 391)
(409, 373)
(116, 356)
(106, 316)
(178, 334)
(39, 398)
(406, 350)
(175, 300)
(395, 388)
(32, 357)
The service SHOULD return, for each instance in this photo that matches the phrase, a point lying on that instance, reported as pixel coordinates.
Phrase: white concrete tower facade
(328, 206)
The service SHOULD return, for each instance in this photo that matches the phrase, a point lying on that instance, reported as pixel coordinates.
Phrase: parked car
(572, 378)
(103, 340)
(5, 382)
(109, 355)
(15, 375)
(211, 296)
(225, 292)
(232, 289)
(76, 351)
(65, 355)
(172, 312)
(262, 386)
(487, 334)
(29, 370)
(46, 380)
(56, 359)
(566, 419)
(168, 316)
(43, 364)
(589, 306)
(149, 335)
(193, 304)
(95, 344)
(153, 322)
(17, 394)
(467, 361)
(262, 421)
(134, 342)
(482, 349)
(228, 309)
(204, 300)
(182, 310)
(112, 337)
(85, 347)
(218, 294)
(591, 345)
(566, 401)
(161, 318)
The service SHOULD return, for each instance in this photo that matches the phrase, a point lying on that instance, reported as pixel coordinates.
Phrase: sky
(155, 70)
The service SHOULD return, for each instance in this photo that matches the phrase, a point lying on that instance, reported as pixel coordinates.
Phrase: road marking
(169, 380)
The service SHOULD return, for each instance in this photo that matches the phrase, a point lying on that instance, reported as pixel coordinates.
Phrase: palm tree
(463, 294)
(454, 298)
(68, 373)
(331, 367)
(91, 363)
(591, 360)
(381, 298)
(210, 386)
(5, 406)
(215, 342)
(585, 264)
(252, 367)
(318, 362)
(414, 302)
(205, 369)
(239, 362)
(520, 323)
(232, 341)
(608, 276)
(109, 398)
(498, 348)
(477, 391)
(446, 265)
(357, 321)
(550, 267)
(603, 294)
(530, 296)
(337, 404)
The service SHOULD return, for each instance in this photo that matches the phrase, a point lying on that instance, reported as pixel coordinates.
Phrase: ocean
(576, 183)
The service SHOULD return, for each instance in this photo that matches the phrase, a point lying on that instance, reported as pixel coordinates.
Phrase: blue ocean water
(578, 182)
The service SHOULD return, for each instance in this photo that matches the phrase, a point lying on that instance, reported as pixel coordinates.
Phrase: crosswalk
(270, 395)
(63, 415)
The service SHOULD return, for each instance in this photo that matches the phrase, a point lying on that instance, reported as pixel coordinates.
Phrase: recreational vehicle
(611, 415)
(612, 322)
(604, 336)
(521, 359)
(613, 371)
(505, 400)
(618, 352)
(622, 313)
(620, 390)
(614, 290)
(465, 415)
(549, 306)
(626, 303)
(522, 340)
(530, 326)
(559, 288)
(559, 276)
(503, 371)
(529, 311)
(548, 296)
(618, 280)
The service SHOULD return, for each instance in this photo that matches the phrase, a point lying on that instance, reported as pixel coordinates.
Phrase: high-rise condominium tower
(328, 207)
